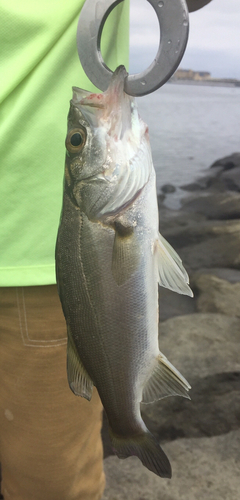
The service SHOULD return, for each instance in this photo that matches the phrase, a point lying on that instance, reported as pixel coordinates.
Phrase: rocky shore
(201, 337)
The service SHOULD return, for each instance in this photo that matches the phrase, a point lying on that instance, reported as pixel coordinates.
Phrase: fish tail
(146, 448)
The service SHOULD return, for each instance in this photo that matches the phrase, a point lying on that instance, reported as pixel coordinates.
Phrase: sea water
(190, 127)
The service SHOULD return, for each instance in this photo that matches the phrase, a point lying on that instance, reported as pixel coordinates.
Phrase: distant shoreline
(204, 83)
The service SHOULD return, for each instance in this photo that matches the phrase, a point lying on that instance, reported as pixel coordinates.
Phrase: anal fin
(165, 381)
(79, 381)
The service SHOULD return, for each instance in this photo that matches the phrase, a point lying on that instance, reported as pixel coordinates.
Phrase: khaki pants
(50, 443)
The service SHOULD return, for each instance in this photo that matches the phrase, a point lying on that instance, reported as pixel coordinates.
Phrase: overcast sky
(214, 39)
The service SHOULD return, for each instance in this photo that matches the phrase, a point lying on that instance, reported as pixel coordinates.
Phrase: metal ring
(174, 26)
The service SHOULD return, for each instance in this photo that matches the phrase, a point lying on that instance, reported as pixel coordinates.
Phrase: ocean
(190, 127)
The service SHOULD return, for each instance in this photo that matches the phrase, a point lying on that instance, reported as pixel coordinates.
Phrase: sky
(214, 38)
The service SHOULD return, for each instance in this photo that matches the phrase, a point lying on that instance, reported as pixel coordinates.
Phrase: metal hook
(174, 26)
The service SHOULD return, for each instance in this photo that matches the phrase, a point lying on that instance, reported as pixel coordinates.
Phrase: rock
(173, 219)
(231, 179)
(214, 252)
(207, 414)
(217, 295)
(205, 348)
(228, 162)
(173, 304)
(225, 176)
(201, 345)
(206, 243)
(192, 233)
(206, 468)
(215, 206)
(230, 275)
(193, 186)
(168, 188)
(217, 185)
(205, 181)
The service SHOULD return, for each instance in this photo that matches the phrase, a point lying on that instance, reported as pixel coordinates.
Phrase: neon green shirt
(39, 65)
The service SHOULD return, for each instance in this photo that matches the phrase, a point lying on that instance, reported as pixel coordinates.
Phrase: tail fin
(146, 448)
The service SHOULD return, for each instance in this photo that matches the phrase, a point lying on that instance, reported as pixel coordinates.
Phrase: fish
(110, 259)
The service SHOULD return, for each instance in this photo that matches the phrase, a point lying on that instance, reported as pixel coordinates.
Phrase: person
(50, 442)
(50, 445)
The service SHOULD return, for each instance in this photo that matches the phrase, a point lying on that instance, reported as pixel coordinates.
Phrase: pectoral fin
(165, 380)
(172, 274)
(79, 381)
(126, 253)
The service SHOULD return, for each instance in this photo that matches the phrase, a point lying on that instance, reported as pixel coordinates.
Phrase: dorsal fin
(172, 274)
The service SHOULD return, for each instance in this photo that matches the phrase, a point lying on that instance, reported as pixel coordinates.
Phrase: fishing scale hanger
(174, 26)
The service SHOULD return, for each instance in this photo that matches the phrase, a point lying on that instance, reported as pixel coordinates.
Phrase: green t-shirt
(39, 65)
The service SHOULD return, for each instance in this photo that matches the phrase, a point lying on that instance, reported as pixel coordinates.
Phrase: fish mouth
(114, 91)
(111, 109)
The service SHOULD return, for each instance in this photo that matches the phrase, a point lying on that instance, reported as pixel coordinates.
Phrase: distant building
(189, 74)
(203, 76)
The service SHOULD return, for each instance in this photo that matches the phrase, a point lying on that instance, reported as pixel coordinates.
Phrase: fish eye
(76, 139)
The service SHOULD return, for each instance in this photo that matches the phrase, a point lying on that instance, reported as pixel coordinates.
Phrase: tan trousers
(50, 444)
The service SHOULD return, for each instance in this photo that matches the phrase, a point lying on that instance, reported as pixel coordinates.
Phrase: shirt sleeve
(40, 64)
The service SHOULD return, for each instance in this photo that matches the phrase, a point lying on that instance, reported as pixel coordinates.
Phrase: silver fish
(110, 258)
